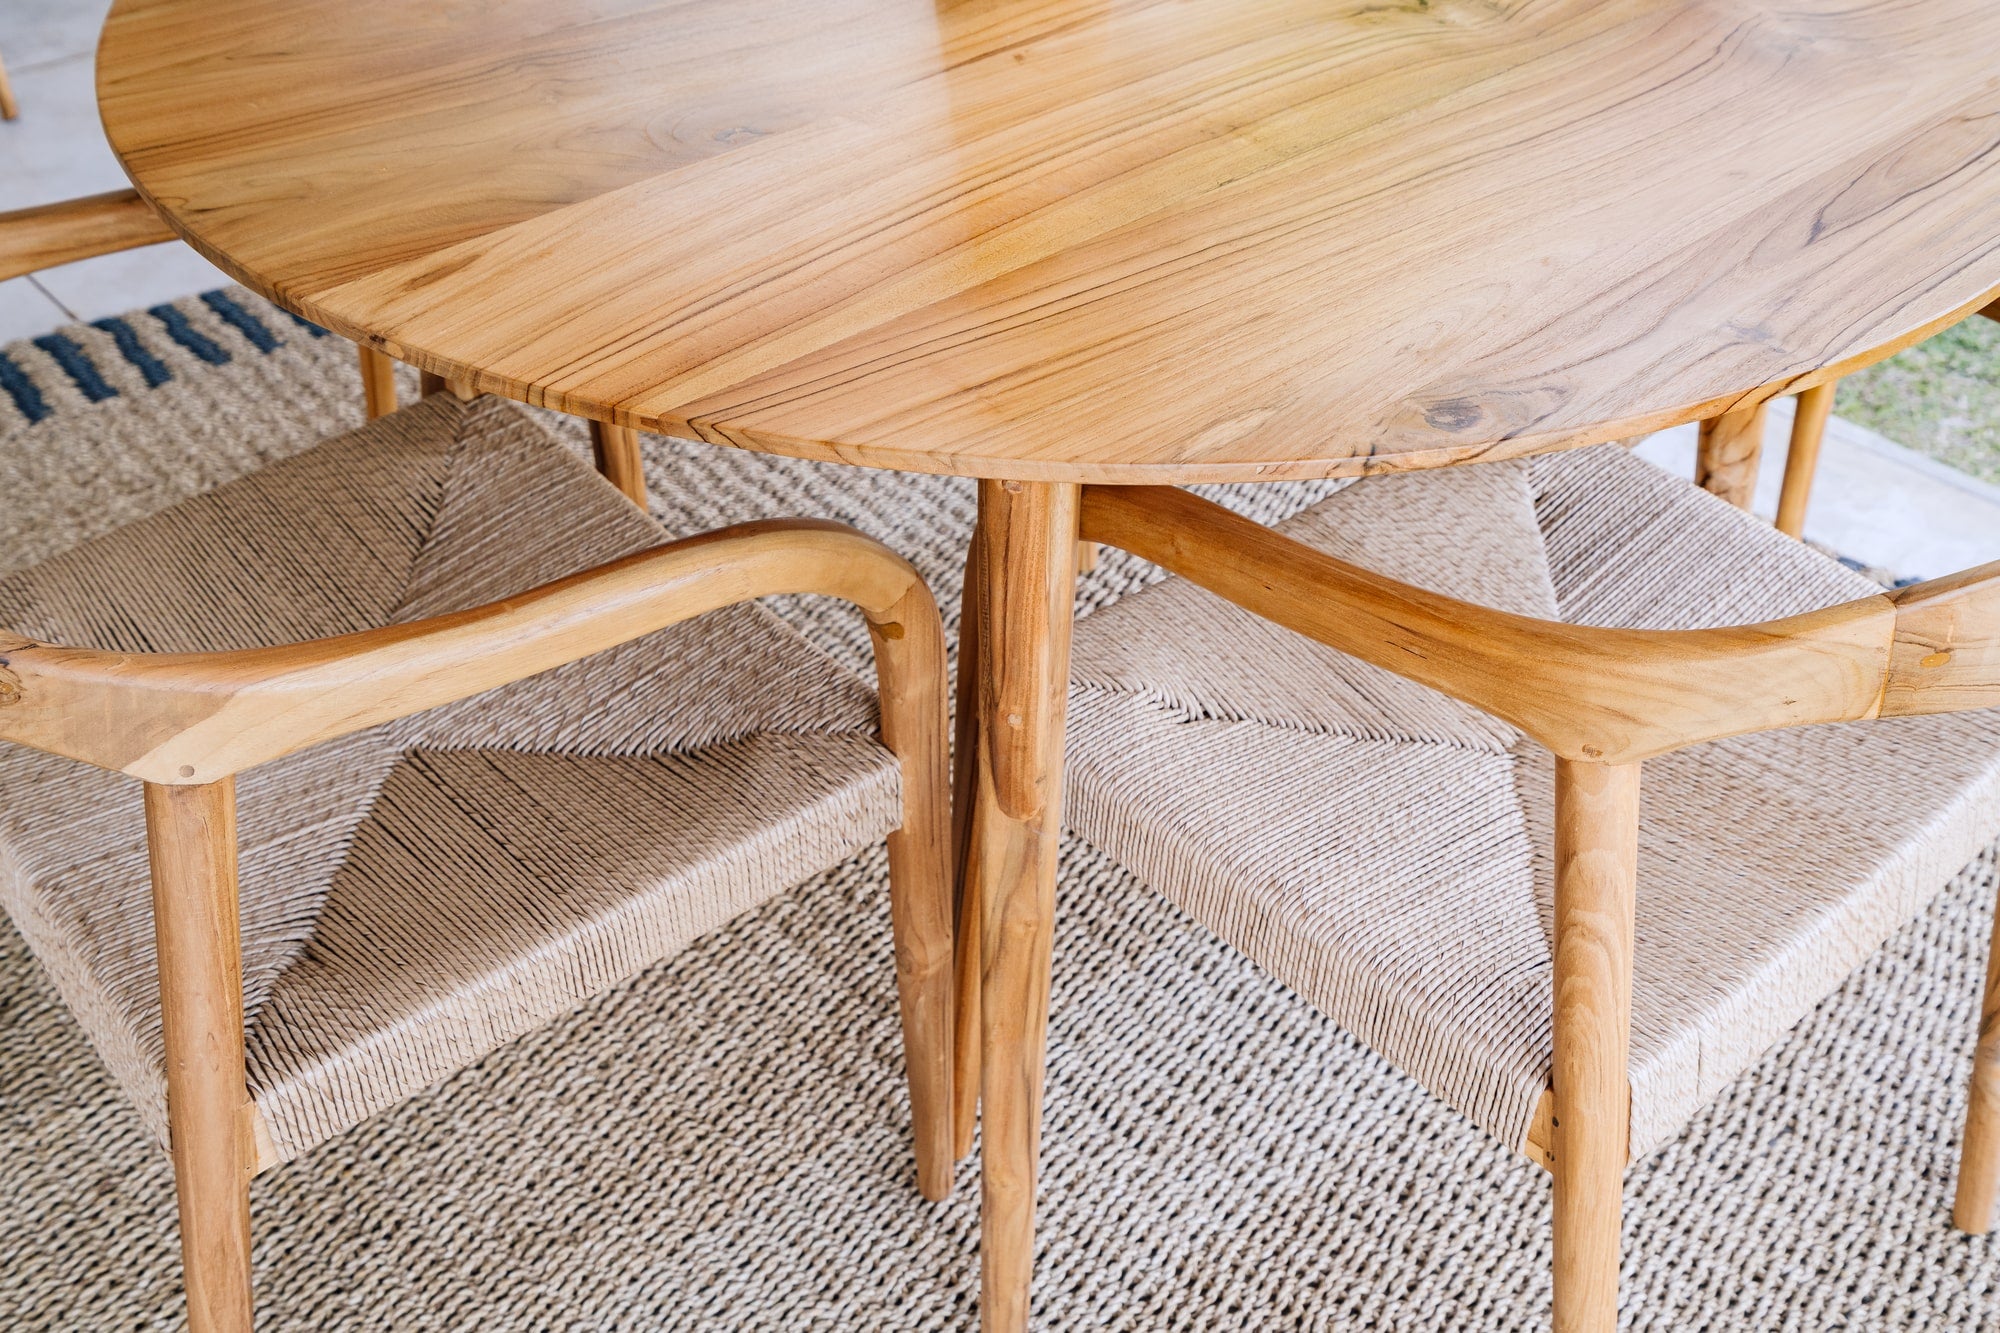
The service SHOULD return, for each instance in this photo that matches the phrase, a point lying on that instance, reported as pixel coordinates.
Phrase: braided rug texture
(723, 1142)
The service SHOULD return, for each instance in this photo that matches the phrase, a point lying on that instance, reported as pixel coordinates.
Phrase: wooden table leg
(1814, 406)
(1027, 574)
(1726, 457)
(616, 450)
(378, 383)
(964, 861)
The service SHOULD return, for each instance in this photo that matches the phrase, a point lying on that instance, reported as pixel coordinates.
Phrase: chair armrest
(1947, 652)
(1590, 694)
(183, 719)
(100, 224)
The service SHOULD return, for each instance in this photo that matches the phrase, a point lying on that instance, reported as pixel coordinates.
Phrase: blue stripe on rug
(306, 324)
(187, 335)
(27, 398)
(242, 321)
(129, 346)
(77, 365)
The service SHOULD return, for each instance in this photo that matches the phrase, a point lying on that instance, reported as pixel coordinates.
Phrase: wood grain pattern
(615, 449)
(194, 718)
(191, 837)
(1727, 454)
(965, 764)
(1068, 240)
(1539, 1146)
(99, 224)
(1587, 693)
(1597, 854)
(909, 646)
(1814, 408)
(1027, 572)
(378, 384)
(1946, 655)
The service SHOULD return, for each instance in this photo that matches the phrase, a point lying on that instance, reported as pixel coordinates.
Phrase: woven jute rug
(723, 1143)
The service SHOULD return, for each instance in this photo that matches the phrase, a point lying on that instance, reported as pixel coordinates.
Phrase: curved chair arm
(1590, 694)
(185, 719)
(1947, 653)
(100, 224)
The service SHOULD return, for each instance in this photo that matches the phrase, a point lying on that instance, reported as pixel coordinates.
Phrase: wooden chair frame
(102, 224)
(1603, 700)
(186, 724)
(1730, 446)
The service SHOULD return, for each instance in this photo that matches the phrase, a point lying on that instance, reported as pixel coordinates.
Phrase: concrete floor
(1874, 501)
(56, 150)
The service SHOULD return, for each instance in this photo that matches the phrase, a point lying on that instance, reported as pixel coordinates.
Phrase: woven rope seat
(416, 895)
(1387, 851)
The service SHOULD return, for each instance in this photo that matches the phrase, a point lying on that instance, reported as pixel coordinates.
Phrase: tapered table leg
(965, 861)
(1027, 574)
(1727, 453)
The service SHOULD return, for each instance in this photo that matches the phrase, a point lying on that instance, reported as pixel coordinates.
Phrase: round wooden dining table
(1053, 243)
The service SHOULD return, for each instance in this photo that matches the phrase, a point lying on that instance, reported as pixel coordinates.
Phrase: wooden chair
(491, 765)
(1392, 751)
(61, 233)
(1730, 446)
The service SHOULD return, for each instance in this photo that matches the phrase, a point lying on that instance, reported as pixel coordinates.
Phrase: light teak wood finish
(1597, 851)
(99, 224)
(191, 837)
(1603, 700)
(1026, 574)
(1814, 407)
(1072, 241)
(61, 233)
(1727, 454)
(378, 383)
(9, 108)
(1062, 241)
(616, 452)
(187, 723)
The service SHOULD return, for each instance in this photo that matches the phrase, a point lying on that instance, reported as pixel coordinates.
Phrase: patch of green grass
(1941, 397)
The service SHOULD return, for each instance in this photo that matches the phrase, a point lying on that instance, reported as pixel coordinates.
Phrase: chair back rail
(1588, 693)
(42, 237)
(183, 719)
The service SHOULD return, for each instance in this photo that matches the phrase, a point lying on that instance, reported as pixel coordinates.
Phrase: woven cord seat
(1386, 851)
(417, 892)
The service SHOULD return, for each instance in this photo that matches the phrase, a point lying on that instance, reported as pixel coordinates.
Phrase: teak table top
(1089, 240)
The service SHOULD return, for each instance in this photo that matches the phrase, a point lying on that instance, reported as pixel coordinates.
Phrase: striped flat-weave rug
(723, 1143)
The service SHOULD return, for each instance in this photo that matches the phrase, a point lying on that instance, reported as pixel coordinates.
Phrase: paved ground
(1880, 498)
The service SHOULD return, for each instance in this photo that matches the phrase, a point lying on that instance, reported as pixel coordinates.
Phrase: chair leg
(1027, 534)
(965, 763)
(429, 385)
(1726, 458)
(616, 449)
(191, 837)
(1815, 405)
(909, 659)
(1597, 823)
(1979, 1154)
(9, 108)
(378, 383)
